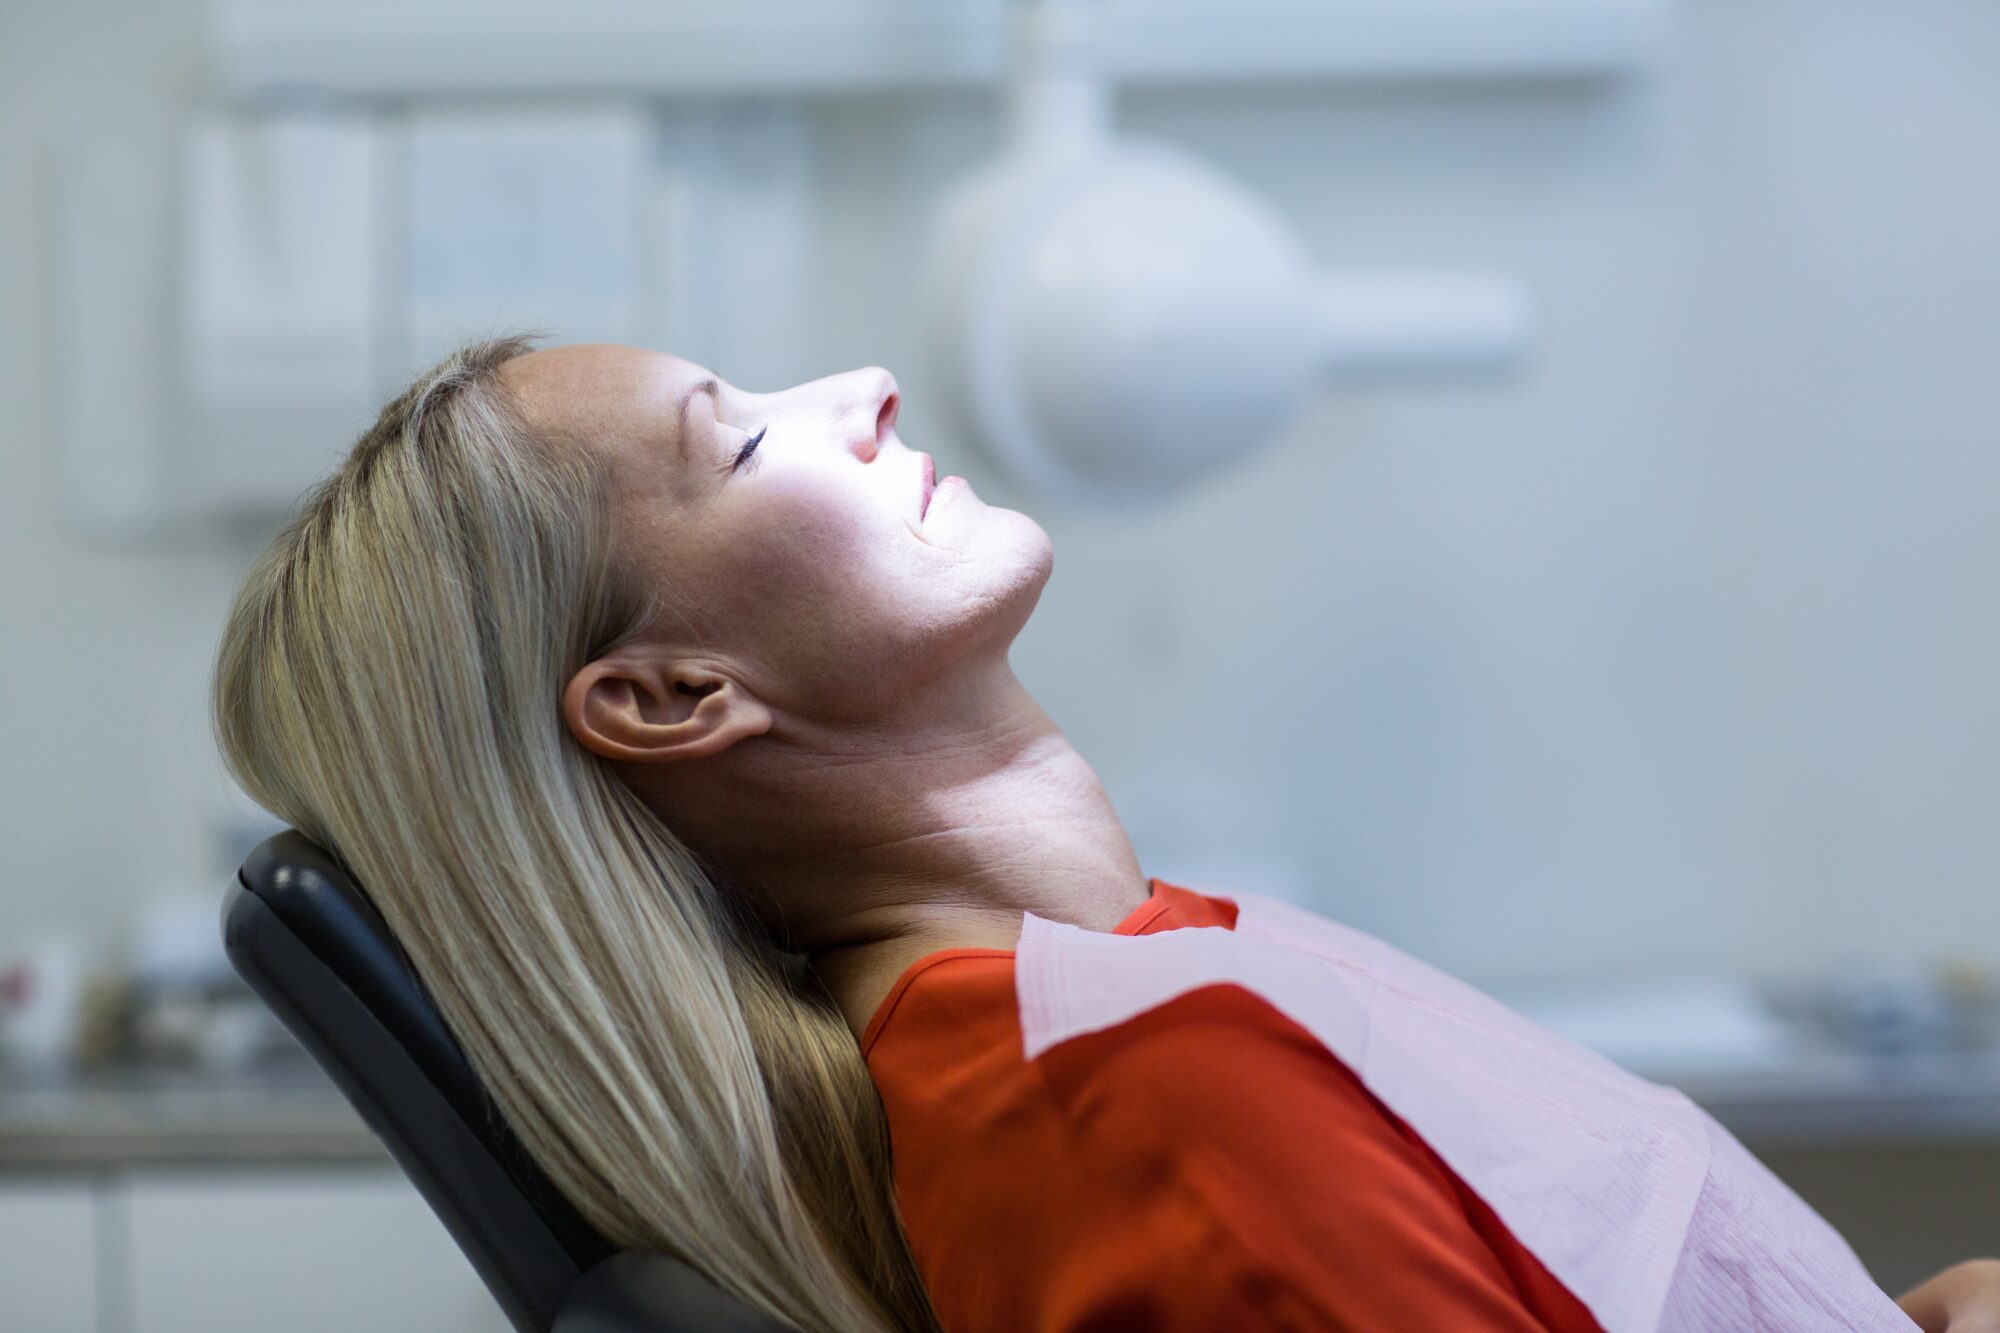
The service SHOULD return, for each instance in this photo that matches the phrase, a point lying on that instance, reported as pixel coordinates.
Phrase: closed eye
(749, 447)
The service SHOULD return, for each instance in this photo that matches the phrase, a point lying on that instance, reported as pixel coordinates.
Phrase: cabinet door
(48, 1256)
(329, 1250)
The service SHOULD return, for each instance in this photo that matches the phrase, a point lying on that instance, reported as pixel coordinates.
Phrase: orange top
(1206, 1165)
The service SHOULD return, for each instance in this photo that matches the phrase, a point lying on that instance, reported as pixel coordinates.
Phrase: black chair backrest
(305, 937)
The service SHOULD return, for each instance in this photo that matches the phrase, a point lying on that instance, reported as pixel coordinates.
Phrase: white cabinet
(48, 1256)
(330, 1249)
(326, 1250)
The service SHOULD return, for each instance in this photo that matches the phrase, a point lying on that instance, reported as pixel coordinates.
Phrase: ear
(640, 709)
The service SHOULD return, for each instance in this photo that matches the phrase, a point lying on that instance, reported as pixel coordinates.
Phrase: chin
(1030, 549)
(1034, 562)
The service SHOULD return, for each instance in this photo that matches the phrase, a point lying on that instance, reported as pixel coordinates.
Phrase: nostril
(885, 420)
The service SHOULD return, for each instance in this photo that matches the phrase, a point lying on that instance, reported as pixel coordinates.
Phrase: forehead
(602, 392)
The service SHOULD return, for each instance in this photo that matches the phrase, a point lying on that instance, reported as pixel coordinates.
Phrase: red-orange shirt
(1208, 1165)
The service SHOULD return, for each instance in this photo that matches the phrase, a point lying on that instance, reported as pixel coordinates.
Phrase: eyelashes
(749, 448)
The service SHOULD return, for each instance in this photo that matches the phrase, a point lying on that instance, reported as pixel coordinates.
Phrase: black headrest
(305, 937)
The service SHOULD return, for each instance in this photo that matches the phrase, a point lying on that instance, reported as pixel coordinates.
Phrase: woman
(672, 728)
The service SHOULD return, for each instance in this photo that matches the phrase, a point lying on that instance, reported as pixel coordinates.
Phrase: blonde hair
(388, 682)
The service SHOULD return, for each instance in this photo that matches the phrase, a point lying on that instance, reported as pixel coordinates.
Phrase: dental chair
(304, 935)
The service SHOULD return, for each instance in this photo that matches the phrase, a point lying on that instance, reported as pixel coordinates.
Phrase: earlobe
(644, 712)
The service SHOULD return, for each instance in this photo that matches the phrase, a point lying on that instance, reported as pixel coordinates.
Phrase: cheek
(799, 554)
(829, 592)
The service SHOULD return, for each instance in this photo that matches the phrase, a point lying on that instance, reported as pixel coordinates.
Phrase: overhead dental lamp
(1115, 319)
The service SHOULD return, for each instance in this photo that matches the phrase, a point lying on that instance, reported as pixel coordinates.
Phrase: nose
(877, 402)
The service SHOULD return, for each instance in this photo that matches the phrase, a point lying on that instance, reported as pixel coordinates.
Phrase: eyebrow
(707, 386)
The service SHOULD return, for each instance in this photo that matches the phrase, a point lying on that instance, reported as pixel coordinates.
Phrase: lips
(930, 484)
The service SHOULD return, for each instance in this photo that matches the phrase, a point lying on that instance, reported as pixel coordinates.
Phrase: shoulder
(1205, 1164)
(1204, 1052)
(1277, 1187)
(1215, 1085)
(1223, 1083)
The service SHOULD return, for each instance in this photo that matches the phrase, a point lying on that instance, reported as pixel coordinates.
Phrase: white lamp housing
(1114, 319)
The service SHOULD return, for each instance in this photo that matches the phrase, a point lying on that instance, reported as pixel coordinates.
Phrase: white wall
(1674, 652)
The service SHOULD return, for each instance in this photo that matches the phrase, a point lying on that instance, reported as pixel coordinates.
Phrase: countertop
(289, 1113)
(281, 1113)
(1842, 1099)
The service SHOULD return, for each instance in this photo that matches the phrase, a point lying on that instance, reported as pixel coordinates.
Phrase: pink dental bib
(1637, 1200)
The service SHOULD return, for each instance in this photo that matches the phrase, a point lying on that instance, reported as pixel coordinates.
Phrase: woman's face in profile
(792, 529)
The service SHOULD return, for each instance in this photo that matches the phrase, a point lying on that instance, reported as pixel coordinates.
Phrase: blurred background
(1639, 672)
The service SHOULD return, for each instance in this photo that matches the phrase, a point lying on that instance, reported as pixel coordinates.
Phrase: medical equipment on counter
(41, 1002)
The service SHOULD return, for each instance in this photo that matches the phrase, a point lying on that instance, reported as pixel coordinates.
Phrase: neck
(866, 848)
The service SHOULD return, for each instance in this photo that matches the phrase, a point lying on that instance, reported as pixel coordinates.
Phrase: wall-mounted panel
(276, 328)
(423, 47)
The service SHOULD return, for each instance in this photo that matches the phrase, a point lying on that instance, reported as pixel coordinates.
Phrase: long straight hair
(388, 681)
